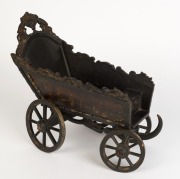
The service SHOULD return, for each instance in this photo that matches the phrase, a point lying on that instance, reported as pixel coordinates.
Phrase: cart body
(76, 83)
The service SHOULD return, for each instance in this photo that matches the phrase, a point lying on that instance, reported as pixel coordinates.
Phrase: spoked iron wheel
(45, 125)
(122, 154)
(144, 127)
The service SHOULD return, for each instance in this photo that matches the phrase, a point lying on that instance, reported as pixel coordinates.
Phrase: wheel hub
(122, 151)
(41, 126)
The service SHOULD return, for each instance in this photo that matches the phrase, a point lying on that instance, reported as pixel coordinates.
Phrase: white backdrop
(139, 35)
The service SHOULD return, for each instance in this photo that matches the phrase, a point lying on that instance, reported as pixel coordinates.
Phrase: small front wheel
(45, 125)
(122, 154)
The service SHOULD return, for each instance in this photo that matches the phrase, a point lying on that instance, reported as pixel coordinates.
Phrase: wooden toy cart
(74, 87)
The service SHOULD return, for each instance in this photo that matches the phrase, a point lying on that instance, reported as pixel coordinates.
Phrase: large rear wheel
(45, 125)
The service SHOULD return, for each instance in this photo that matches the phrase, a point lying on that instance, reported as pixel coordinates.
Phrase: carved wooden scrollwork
(32, 21)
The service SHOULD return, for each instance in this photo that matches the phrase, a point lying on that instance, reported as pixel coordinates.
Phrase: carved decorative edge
(142, 77)
(32, 21)
(116, 93)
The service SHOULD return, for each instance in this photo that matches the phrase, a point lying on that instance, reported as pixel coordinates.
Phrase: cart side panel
(85, 101)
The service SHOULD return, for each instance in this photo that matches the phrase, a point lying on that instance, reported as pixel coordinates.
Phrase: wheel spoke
(110, 147)
(33, 121)
(135, 154)
(53, 120)
(132, 145)
(114, 139)
(44, 112)
(51, 137)
(111, 156)
(44, 139)
(36, 134)
(37, 113)
(125, 140)
(143, 127)
(129, 161)
(55, 129)
(119, 162)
